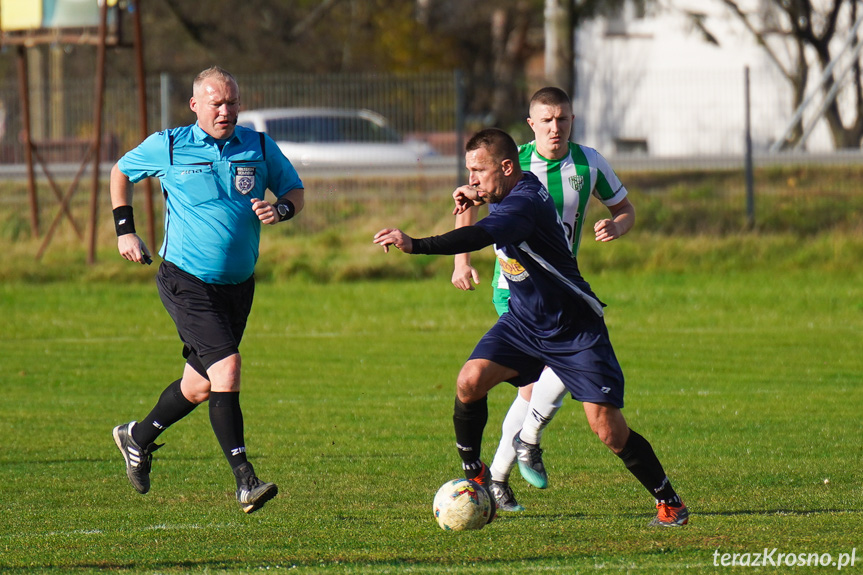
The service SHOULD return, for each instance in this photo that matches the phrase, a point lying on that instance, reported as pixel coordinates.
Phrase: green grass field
(741, 349)
(747, 382)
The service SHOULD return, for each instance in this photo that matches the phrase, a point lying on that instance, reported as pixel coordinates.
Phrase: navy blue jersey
(547, 293)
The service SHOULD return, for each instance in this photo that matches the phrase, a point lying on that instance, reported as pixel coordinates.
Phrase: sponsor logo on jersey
(511, 269)
(244, 180)
(576, 182)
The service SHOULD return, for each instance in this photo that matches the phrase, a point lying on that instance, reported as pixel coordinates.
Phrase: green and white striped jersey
(570, 181)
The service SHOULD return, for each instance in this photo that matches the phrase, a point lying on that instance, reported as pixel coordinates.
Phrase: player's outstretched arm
(462, 240)
(621, 221)
(394, 237)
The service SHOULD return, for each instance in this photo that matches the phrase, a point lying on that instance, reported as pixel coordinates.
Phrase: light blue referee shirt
(211, 230)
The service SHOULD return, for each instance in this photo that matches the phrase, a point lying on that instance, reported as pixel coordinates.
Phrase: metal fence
(669, 119)
(415, 105)
(702, 118)
(422, 107)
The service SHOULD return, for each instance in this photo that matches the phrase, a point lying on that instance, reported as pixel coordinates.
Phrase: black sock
(469, 420)
(639, 458)
(227, 421)
(171, 408)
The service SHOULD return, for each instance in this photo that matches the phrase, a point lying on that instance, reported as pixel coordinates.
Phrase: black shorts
(583, 359)
(210, 318)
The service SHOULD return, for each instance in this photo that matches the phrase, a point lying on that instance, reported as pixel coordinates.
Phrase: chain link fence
(674, 123)
(416, 106)
(671, 119)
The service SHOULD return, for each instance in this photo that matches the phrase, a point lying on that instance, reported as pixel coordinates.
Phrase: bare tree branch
(194, 30)
(312, 18)
(814, 29)
(759, 37)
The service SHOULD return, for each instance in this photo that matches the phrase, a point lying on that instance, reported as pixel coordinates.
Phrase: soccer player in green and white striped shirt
(571, 173)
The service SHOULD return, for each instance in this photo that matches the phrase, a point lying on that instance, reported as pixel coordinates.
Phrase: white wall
(661, 82)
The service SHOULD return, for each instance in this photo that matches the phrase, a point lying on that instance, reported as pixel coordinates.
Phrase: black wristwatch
(283, 212)
(285, 209)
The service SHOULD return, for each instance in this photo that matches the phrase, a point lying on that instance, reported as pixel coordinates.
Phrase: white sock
(548, 394)
(504, 457)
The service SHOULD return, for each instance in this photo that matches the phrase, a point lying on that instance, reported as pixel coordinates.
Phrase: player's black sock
(227, 421)
(171, 408)
(639, 458)
(469, 420)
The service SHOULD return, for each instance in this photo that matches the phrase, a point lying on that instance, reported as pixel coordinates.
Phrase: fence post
(165, 97)
(460, 110)
(750, 193)
(24, 87)
(99, 109)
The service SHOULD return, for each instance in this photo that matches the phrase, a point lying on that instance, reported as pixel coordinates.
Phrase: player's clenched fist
(606, 230)
(392, 237)
(465, 197)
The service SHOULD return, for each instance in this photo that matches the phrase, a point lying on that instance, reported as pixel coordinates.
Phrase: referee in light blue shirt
(214, 176)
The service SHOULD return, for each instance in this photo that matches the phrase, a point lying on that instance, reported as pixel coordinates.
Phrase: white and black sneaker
(504, 497)
(252, 493)
(530, 462)
(138, 459)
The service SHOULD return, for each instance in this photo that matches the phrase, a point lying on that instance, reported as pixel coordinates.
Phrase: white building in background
(652, 83)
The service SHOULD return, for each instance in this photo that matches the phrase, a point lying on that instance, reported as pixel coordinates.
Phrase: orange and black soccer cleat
(482, 477)
(668, 516)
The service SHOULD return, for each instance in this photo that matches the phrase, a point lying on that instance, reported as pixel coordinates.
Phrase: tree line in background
(499, 45)
(491, 42)
(802, 38)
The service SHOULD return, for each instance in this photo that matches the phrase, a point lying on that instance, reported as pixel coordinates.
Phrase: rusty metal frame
(103, 37)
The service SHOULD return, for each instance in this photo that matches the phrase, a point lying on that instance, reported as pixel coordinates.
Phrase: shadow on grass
(398, 564)
(766, 512)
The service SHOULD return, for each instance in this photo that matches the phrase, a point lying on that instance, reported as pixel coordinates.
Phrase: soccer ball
(461, 504)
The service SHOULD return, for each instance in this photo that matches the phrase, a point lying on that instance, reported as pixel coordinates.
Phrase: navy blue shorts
(582, 358)
(210, 318)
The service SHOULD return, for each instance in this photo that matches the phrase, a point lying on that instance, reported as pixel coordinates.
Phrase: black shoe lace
(147, 460)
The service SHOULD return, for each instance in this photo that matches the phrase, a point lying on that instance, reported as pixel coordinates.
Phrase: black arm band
(291, 210)
(458, 241)
(124, 222)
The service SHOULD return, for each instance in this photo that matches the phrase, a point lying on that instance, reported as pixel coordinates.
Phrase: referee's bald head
(213, 72)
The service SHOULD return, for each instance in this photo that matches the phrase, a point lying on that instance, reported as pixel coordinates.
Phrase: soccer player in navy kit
(554, 318)
(571, 173)
(214, 176)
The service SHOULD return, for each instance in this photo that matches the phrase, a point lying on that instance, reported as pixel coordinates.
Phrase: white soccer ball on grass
(461, 504)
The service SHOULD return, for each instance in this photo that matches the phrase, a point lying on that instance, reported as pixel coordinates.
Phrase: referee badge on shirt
(576, 182)
(244, 179)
